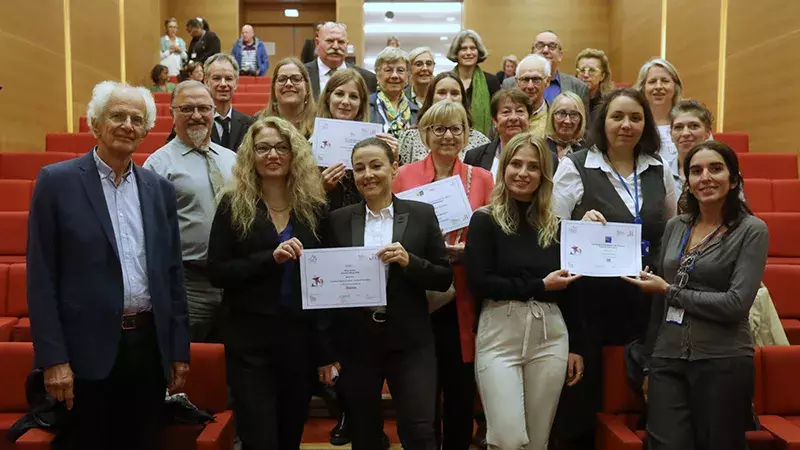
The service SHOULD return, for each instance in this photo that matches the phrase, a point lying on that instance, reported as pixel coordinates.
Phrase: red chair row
(770, 166)
(206, 387)
(784, 245)
(26, 165)
(783, 282)
(739, 142)
(82, 142)
(776, 401)
(772, 195)
(164, 98)
(15, 195)
(14, 322)
(242, 80)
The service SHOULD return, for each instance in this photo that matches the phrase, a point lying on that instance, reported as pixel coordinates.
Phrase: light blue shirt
(125, 212)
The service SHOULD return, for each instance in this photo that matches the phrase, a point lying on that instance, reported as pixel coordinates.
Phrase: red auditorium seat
(205, 386)
(783, 282)
(739, 142)
(758, 193)
(784, 246)
(162, 97)
(17, 302)
(786, 195)
(781, 411)
(255, 80)
(163, 124)
(26, 165)
(13, 236)
(7, 321)
(621, 84)
(251, 97)
(262, 88)
(248, 108)
(771, 166)
(15, 195)
(163, 110)
(82, 142)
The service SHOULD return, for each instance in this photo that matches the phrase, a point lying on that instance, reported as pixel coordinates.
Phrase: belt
(137, 321)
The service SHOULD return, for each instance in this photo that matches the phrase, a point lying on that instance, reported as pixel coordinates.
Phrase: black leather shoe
(340, 435)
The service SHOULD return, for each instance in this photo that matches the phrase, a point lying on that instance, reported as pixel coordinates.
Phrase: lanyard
(635, 195)
(700, 246)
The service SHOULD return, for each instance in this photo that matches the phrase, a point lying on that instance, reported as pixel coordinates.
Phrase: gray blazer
(313, 72)
(568, 83)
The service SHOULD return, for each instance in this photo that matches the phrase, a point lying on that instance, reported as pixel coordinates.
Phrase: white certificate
(334, 139)
(448, 199)
(597, 250)
(347, 277)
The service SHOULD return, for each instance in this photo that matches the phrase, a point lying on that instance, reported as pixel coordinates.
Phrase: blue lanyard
(700, 245)
(635, 195)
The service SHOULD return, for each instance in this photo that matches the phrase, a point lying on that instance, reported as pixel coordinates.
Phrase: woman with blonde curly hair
(266, 217)
(291, 97)
(523, 350)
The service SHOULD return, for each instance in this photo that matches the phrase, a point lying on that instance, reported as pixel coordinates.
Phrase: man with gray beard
(332, 45)
(199, 169)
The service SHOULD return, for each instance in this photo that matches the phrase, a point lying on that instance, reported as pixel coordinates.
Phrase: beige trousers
(520, 366)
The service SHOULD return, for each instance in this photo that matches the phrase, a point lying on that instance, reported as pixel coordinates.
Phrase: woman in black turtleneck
(523, 349)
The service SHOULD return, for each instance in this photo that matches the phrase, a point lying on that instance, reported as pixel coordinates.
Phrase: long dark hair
(426, 105)
(735, 207)
(649, 143)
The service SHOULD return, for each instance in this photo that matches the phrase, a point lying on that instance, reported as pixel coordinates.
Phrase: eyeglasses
(188, 110)
(553, 46)
(587, 71)
(440, 130)
(573, 115)
(265, 149)
(389, 70)
(119, 118)
(421, 64)
(536, 81)
(682, 276)
(283, 79)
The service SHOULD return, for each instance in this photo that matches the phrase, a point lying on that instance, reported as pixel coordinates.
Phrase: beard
(197, 135)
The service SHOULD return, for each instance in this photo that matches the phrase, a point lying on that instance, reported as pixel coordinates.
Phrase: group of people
(203, 242)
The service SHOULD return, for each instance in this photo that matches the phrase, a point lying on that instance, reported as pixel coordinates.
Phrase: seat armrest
(783, 430)
(613, 434)
(217, 435)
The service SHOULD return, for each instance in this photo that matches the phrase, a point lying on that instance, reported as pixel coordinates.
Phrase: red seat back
(254, 80)
(783, 227)
(82, 142)
(16, 359)
(771, 166)
(163, 110)
(783, 282)
(786, 195)
(139, 158)
(162, 97)
(758, 193)
(3, 289)
(739, 142)
(17, 303)
(13, 233)
(781, 366)
(618, 396)
(206, 384)
(251, 97)
(262, 88)
(26, 165)
(15, 195)
(163, 124)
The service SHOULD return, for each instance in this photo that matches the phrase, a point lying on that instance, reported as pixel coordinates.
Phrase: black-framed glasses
(573, 115)
(440, 130)
(536, 81)
(187, 110)
(295, 79)
(553, 46)
(682, 276)
(281, 149)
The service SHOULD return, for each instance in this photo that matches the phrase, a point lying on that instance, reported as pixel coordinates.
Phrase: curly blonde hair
(539, 215)
(304, 183)
(305, 123)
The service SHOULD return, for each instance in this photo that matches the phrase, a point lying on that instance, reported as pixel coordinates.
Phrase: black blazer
(313, 72)
(204, 47)
(75, 289)
(240, 123)
(483, 156)
(408, 324)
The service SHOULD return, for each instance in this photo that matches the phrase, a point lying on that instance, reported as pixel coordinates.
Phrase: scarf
(479, 104)
(568, 146)
(397, 119)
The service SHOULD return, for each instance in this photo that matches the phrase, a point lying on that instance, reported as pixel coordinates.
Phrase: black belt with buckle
(137, 321)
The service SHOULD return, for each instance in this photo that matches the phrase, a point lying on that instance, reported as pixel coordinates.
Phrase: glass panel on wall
(411, 24)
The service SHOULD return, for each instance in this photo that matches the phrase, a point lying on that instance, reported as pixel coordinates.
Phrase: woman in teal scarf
(467, 50)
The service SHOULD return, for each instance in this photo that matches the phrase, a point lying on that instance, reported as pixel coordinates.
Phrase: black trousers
(456, 387)
(702, 405)
(411, 375)
(124, 410)
(268, 368)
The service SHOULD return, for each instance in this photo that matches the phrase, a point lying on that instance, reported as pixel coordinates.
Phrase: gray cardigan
(718, 295)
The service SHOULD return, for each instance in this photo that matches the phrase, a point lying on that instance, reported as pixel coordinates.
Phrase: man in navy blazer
(105, 281)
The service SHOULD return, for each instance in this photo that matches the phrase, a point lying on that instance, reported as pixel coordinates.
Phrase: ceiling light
(411, 28)
(291, 13)
(451, 19)
(443, 38)
(415, 7)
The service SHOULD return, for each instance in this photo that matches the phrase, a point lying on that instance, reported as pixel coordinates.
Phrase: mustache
(334, 51)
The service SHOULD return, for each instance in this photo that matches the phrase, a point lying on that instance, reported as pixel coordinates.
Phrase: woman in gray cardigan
(700, 382)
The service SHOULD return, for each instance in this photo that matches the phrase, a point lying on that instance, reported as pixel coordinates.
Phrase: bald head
(332, 44)
(248, 34)
(548, 45)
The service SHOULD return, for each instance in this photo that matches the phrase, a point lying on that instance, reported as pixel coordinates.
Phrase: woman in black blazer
(263, 222)
(394, 343)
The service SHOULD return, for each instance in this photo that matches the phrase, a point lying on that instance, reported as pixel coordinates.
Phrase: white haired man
(105, 282)
(332, 45)
(533, 77)
(199, 169)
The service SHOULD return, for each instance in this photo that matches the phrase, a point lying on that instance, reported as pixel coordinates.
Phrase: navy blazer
(75, 290)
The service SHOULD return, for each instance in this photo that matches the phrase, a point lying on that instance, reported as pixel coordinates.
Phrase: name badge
(675, 315)
(645, 248)
(194, 55)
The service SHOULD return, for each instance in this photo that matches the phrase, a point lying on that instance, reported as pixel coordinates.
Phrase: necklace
(273, 209)
(706, 238)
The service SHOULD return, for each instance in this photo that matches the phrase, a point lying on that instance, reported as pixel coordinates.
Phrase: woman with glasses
(593, 68)
(446, 86)
(290, 96)
(389, 106)
(444, 129)
(701, 371)
(422, 65)
(620, 178)
(512, 261)
(467, 51)
(566, 124)
(266, 218)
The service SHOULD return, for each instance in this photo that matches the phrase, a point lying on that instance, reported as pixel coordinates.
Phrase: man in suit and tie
(105, 281)
(199, 169)
(230, 126)
(548, 44)
(332, 44)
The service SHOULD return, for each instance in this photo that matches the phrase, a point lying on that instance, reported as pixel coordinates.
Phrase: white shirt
(496, 161)
(323, 72)
(219, 125)
(668, 150)
(378, 229)
(568, 187)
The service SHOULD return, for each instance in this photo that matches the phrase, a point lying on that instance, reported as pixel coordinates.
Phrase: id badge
(194, 55)
(675, 315)
(645, 248)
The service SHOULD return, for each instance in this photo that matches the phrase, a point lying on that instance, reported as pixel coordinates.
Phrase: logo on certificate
(312, 259)
(575, 250)
(317, 282)
(325, 144)
(608, 239)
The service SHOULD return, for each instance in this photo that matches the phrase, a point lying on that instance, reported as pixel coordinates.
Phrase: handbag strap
(469, 188)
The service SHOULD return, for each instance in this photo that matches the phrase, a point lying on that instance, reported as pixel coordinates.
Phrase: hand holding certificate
(598, 250)
(448, 199)
(348, 277)
(334, 139)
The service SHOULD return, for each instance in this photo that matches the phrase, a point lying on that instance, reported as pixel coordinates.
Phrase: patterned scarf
(398, 119)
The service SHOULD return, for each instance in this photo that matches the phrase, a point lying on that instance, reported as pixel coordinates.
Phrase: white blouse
(568, 187)
(669, 153)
